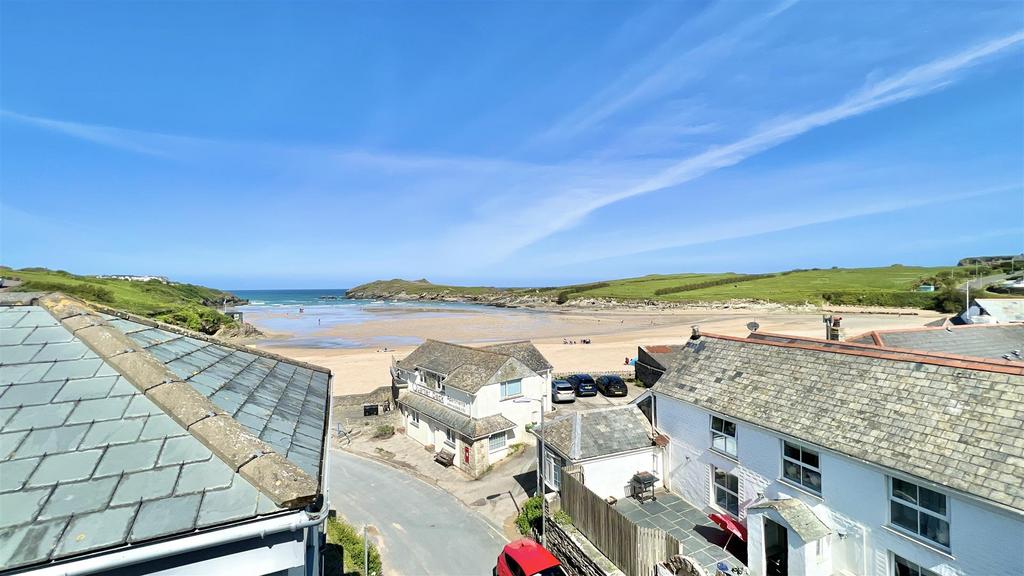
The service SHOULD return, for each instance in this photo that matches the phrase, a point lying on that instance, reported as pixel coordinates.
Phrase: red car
(527, 558)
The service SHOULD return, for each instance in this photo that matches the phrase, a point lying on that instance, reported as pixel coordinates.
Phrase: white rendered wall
(488, 402)
(610, 476)
(984, 540)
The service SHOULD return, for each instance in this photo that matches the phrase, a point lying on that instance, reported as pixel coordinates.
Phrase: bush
(196, 318)
(529, 517)
(949, 300)
(564, 295)
(562, 517)
(351, 540)
(384, 431)
(889, 299)
(711, 283)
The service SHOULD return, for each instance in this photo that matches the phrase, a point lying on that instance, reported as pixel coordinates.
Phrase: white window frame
(918, 535)
(725, 436)
(449, 437)
(552, 470)
(801, 465)
(920, 571)
(414, 418)
(504, 386)
(714, 492)
(504, 441)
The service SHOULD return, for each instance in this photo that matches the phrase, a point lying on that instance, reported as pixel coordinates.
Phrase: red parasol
(734, 528)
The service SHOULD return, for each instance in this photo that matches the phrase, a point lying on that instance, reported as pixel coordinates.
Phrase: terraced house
(471, 404)
(130, 447)
(847, 458)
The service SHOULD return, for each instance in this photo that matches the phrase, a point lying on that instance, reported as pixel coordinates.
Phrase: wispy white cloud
(559, 209)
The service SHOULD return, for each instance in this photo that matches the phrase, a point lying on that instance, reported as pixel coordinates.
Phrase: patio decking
(699, 537)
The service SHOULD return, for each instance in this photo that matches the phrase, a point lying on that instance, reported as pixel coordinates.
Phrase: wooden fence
(634, 549)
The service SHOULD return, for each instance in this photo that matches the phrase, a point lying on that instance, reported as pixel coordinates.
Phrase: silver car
(562, 391)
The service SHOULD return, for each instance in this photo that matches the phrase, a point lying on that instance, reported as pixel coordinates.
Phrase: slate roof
(981, 340)
(601, 432)
(956, 423)
(281, 403)
(465, 368)
(89, 461)
(662, 353)
(525, 352)
(472, 428)
(1003, 309)
(798, 515)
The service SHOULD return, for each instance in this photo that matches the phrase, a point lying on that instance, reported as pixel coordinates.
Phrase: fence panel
(634, 549)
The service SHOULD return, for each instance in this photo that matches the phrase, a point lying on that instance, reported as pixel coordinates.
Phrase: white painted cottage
(850, 459)
(610, 445)
(473, 403)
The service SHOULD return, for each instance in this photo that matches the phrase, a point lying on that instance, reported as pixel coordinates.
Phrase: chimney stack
(695, 334)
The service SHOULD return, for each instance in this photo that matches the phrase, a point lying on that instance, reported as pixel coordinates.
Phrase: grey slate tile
(84, 368)
(148, 485)
(183, 449)
(21, 507)
(209, 475)
(99, 409)
(39, 417)
(66, 467)
(29, 394)
(24, 373)
(10, 441)
(238, 501)
(113, 432)
(129, 457)
(14, 473)
(13, 337)
(10, 317)
(58, 352)
(29, 544)
(19, 354)
(97, 530)
(79, 498)
(52, 440)
(122, 387)
(161, 426)
(5, 416)
(47, 334)
(85, 389)
(141, 406)
(36, 317)
(165, 516)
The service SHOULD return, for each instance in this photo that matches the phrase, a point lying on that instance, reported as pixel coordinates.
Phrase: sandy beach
(614, 335)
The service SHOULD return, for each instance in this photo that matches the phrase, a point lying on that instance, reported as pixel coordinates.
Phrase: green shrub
(530, 515)
(949, 300)
(564, 295)
(196, 318)
(712, 283)
(562, 517)
(351, 540)
(384, 431)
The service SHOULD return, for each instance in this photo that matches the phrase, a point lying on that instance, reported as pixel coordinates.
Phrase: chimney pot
(695, 335)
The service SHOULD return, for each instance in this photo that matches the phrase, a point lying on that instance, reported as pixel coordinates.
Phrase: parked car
(583, 384)
(612, 386)
(562, 391)
(527, 558)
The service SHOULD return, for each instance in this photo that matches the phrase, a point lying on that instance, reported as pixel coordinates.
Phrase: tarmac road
(424, 530)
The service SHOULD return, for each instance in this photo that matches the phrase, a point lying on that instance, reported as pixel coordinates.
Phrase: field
(893, 286)
(186, 305)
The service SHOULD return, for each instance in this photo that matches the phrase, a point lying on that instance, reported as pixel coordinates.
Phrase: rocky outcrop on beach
(239, 331)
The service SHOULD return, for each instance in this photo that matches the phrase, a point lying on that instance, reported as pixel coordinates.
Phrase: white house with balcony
(850, 459)
(470, 404)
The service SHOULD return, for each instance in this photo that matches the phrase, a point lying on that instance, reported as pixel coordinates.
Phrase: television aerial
(753, 326)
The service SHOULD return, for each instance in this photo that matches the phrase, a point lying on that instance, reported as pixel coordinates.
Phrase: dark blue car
(583, 384)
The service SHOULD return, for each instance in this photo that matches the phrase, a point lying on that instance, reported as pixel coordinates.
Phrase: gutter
(179, 546)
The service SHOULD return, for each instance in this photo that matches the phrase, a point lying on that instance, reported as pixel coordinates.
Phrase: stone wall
(348, 410)
(577, 556)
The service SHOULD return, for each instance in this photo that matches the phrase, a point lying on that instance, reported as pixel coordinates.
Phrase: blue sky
(513, 143)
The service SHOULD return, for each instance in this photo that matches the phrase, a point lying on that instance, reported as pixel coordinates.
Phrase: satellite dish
(753, 326)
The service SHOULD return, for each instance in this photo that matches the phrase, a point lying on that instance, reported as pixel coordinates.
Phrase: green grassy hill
(893, 286)
(184, 305)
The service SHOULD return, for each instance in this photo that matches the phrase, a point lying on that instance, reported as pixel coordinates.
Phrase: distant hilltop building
(134, 278)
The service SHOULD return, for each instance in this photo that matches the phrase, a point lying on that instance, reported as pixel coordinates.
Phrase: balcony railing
(442, 398)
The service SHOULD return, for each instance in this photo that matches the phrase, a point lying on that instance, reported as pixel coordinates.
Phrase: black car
(583, 384)
(612, 386)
